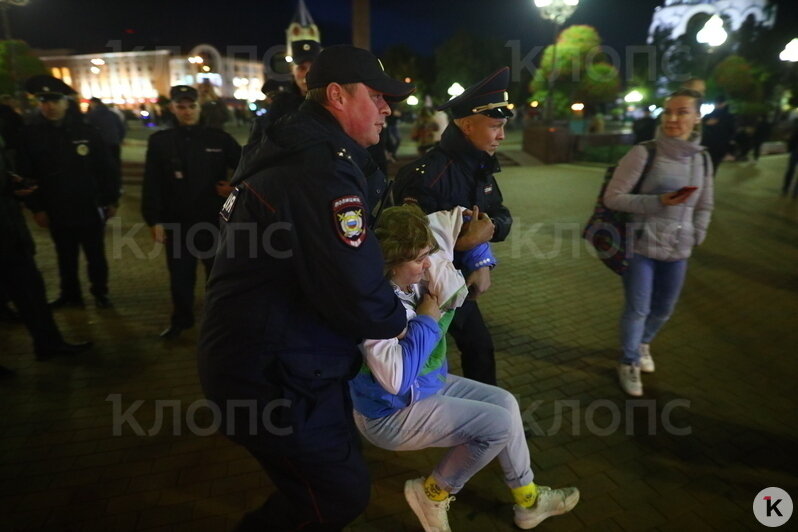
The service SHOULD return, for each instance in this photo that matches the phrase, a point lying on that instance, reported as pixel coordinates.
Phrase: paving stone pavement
(717, 423)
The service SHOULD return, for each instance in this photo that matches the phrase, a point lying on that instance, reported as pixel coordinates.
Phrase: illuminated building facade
(128, 78)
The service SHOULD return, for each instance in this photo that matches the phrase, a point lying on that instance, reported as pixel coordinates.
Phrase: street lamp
(790, 52)
(712, 34)
(558, 12)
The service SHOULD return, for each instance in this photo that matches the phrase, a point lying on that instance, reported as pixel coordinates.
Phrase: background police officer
(19, 276)
(283, 318)
(78, 187)
(459, 172)
(185, 184)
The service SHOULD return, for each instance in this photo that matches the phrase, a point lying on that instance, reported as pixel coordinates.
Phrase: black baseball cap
(344, 63)
(183, 92)
(47, 88)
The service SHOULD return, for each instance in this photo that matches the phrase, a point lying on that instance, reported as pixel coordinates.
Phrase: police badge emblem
(348, 218)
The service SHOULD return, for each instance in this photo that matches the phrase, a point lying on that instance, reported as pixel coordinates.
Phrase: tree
(578, 69)
(466, 59)
(17, 63)
(401, 62)
(742, 82)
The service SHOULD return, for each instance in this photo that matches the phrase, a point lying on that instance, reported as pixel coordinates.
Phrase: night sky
(86, 26)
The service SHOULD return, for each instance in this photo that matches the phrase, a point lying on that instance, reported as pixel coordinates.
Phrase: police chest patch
(227, 208)
(348, 217)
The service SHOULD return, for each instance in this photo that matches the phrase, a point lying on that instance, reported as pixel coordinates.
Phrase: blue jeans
(652, 288)
(477, 421)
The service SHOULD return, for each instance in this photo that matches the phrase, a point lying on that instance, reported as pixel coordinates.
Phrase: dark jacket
(182, 167)
(15, 238)
(73, 168)
(214, 114)
(297, 283)
(110, 126)
(455, 173)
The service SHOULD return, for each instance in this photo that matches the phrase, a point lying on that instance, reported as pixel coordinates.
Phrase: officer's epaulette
(342, 153)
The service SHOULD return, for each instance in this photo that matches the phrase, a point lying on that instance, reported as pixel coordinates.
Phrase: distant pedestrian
(792, 148)
(214, 111)
(760, 135)
(672, 210)
(718, 132)
(644, 127)
(424, 130)
(112, 129)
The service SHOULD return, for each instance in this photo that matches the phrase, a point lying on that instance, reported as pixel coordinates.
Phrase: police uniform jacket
(15, 238)
(455, 173)
(182, 168)
(287, 308)
(73, 169)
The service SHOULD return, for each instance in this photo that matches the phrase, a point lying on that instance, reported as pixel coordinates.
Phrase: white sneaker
(646, 361)
(549, 502)
(629, 376)
(431, 514)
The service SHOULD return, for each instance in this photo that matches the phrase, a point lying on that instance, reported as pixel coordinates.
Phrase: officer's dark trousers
(21, 279)
(320, 492)
(474, 342)
(68, 241)
(186, 245)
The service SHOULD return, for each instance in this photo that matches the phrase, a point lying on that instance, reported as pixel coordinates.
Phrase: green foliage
(25, 65)
(401, 62)
(734, 75)
(580, 71)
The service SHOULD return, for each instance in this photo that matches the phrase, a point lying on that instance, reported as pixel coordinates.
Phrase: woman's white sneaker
(629, 377)
(549, 502)
(646, 360)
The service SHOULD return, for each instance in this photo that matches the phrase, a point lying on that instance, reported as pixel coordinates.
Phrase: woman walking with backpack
(670, 215)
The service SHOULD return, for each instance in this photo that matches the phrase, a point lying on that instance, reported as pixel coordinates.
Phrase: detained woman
(406, 400)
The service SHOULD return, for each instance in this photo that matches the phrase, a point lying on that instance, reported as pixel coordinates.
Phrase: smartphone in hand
(685, 191)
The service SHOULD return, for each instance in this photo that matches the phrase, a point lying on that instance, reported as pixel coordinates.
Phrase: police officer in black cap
(185, 184)
(78, 187)
(284, 317)
(459, 172)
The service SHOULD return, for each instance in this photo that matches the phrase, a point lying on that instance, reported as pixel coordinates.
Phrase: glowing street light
(412, 100)
(712, 33)
(558, 12)
(790, 52)
(634, 96)
(578, 107)
(455, 90)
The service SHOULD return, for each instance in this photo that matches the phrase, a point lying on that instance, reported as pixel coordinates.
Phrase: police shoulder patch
(349, 219)
(227, 208)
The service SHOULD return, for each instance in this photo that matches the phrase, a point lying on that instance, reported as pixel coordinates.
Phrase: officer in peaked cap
(459, 171)
(487, 97)
(185, 185)
(78, 187)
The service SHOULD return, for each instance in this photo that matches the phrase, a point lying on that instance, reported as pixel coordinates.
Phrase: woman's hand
(429, 307)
